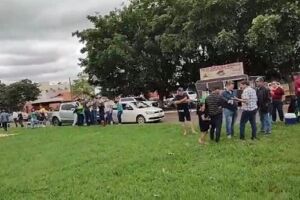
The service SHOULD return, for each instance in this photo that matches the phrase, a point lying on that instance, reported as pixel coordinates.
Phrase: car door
(67, 112)
(129, 113)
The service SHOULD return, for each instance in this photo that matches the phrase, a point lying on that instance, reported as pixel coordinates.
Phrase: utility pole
(70, 83)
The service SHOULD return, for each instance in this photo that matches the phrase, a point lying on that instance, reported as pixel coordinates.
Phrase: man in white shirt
(15, 118)
(249, 107)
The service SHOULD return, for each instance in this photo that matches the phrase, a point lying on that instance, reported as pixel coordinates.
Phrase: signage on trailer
(222, 71)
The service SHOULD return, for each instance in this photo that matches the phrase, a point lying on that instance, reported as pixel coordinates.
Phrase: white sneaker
(229, 136)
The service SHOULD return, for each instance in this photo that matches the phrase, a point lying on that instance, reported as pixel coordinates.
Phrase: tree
(15, 95)
(153, 44)
(81, 87)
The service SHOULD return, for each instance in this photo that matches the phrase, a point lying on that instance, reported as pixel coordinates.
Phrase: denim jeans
(251, 117)
(216, 126)
(277, 106)
(93, 116)
(230, 117)
(108, 118)
(266, 122)
(33, 122)
(120, 117)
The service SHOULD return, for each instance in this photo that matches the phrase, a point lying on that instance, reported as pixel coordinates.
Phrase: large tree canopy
(14, 96)
(153, 44)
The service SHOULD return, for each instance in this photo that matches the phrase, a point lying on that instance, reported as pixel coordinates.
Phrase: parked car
(64, 115)
(139, 99)
(139, 112)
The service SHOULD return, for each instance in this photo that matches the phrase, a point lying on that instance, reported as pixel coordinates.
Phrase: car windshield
(140, 99)
(140, 104)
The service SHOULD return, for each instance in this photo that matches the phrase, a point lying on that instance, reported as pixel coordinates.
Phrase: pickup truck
(64, 115)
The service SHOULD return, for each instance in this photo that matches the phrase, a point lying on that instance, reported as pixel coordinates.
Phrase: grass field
(147, 162)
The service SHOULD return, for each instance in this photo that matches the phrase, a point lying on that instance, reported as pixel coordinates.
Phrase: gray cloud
(35, 36)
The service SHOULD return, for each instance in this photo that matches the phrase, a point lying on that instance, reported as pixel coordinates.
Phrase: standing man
(297, 90)
(213, 105)
(20, 119)
(87, 112)
(249, 109)
(181, 100)
(264, 105)
(4, 119)
(15, 118)
(277, 105)
(33, 118)
(80, 114)
(230, 108)
(120, 111)
(94, 111)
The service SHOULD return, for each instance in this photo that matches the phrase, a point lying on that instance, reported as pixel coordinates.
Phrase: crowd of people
(95, 111)
(266, 100)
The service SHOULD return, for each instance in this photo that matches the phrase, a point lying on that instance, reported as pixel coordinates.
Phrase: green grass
(147, 162)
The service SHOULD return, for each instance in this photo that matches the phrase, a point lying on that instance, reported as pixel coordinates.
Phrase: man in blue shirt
(230, 108)
(4, 119)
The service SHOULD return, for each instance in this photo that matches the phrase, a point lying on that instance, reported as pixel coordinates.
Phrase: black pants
(87, 115)
(80, 119)
(277, 106)
(16, 122)
(216, 126)
(20, 121)
(4, 126)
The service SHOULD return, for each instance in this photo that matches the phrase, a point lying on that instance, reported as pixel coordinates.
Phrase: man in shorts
(182, 102)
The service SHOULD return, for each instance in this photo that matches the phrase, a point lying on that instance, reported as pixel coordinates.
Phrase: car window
(127, 99)
(140, 104)
(127, 106)
(67, 107)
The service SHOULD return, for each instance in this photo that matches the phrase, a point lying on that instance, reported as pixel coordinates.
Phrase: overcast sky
(36, 37)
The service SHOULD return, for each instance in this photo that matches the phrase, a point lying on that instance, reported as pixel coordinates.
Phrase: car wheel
(56, 122)
(140, 119)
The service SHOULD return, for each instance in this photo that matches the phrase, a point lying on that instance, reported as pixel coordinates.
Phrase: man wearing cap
(182, 102)
(264, 102)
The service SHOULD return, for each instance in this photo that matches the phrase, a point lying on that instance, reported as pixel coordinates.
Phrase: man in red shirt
(277, 105)
(297, 89)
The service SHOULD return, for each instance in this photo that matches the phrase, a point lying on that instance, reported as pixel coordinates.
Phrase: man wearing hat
(182, 102)
(264, 102)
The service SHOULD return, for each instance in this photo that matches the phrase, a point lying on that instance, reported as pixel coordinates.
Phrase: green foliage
(157, 43)
(14, 96)
(81, 87)
(147, 162)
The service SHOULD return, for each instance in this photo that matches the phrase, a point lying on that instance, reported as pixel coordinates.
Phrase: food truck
(218, 75)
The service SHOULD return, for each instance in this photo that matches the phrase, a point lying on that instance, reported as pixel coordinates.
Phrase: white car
(139, 99)
(139, 112)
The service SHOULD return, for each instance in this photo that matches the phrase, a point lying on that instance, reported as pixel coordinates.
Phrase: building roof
(51, 97)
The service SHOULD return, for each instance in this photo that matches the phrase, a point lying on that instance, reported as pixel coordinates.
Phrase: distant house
(49, 101)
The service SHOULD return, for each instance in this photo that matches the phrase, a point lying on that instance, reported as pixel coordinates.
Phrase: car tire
(140, 119)
(56, 122)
